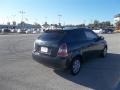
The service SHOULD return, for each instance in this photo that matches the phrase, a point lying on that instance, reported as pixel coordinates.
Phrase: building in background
(117, 22)
(117, 18)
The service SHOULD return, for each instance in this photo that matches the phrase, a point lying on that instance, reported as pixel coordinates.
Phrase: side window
(90, 35)
(76, 36)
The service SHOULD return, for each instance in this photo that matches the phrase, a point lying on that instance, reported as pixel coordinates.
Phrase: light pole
(84, 21)
(22, 22)
(59, 18)
(22, 14)
(46, 19)
(13, 18)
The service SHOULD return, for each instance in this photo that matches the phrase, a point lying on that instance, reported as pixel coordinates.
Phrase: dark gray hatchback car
(68, 48)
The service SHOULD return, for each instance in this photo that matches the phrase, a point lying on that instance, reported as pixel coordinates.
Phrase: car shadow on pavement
(97, 74)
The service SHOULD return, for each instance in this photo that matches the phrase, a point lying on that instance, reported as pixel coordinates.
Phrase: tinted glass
(51, 36)
(90, 35)
(76, 35)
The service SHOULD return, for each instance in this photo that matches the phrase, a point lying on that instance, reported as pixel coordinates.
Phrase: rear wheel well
(75, 65)
(68, 63)
(78, 56)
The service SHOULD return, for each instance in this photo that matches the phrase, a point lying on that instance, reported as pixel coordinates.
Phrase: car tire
(75, 66)
(104, 52)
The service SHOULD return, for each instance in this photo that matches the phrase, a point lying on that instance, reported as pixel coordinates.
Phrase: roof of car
(66, 30)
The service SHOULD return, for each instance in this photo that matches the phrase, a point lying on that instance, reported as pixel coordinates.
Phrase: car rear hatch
(48, 42)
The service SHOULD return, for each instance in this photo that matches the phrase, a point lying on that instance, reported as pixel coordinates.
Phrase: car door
(92, 44)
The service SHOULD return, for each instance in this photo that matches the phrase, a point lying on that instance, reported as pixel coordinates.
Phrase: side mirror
(101, 38)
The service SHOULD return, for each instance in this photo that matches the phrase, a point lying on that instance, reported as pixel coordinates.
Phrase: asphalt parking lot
(18, 71)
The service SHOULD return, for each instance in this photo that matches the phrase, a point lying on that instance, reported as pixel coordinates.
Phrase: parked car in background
(36, 31)
(13, 30)
(117, 31)
(68, 48)
(6, 30)
(108, 31)
(21, 31)
(98, 31)
(28, 31)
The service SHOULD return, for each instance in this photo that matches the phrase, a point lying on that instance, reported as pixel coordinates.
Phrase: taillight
(62, 52)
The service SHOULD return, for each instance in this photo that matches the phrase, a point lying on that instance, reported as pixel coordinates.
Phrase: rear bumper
(49, 61)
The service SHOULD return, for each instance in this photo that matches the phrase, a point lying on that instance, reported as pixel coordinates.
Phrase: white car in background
(19, 30)
(98, 31)
(35, 31)
(28, 31)
(13, 30)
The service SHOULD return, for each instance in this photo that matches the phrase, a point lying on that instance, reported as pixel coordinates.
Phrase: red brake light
(62, 52)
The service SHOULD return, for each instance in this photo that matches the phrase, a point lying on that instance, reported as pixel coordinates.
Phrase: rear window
(51, 36)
